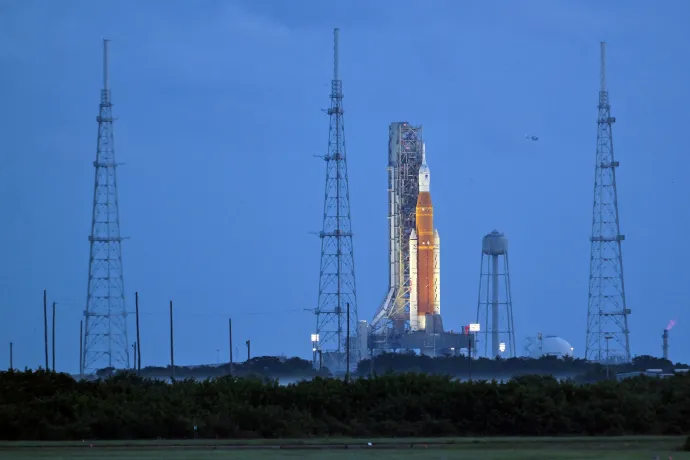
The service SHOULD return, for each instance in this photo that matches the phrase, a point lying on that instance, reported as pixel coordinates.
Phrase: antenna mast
(607, 315)
(105, 317)
(602, 68)
(337, 274)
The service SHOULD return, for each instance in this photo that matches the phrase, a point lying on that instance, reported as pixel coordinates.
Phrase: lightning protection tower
(337, 287)
(607, 314)
(495, 304)
(105, 325)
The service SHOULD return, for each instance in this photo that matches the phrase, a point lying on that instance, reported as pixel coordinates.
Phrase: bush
(47, 406)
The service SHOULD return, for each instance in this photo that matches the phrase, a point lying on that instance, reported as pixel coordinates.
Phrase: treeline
(48, 406)
(460, 366)
(482, 368)
(260, 366)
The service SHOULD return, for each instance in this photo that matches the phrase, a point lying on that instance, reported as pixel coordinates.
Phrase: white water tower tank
(495, 244)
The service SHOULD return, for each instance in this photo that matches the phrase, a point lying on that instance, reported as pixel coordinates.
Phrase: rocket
(425, 256)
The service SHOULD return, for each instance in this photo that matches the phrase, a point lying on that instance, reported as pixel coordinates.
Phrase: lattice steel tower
(607, 315)
(337, 286)
(105, 325)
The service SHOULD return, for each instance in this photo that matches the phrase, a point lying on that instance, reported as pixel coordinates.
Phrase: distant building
(658, 373)
(549, 345)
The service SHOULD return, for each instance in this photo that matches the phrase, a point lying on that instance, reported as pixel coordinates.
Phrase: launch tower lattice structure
(607, 314)
(105, 326)
(495, 303)
(404, 159)
(337, 288)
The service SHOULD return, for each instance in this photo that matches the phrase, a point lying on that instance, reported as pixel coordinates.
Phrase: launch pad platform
(433, 341)
(432, 344)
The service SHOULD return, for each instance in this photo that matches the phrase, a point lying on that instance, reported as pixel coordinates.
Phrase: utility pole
(11, 356)
(81, 349)
(371, 362)
(53, 336)
(172, 341)
(249, 347)
(347, 343)
(607, 338)
(541, 344)
(138, 350)
(45, 326)
(469, 356)
(230, 333)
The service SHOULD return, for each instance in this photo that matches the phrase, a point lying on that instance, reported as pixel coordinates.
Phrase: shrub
(46, 406)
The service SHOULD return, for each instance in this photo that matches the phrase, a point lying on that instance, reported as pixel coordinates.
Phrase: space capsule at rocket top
(424, 174)
(425, 244)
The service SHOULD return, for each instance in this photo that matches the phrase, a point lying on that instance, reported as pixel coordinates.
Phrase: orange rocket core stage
(425, 251)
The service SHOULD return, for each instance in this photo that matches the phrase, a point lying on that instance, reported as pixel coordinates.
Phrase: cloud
(583, 21)
(543, 20)
(223, 44)
(257, 28)
(206, 41)
(22, 23)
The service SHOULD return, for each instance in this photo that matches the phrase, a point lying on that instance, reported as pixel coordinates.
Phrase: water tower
(495, 306)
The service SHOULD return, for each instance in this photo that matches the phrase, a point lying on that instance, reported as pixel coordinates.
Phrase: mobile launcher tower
(410, 316)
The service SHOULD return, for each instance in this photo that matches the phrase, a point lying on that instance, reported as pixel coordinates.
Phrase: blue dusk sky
(219, 119)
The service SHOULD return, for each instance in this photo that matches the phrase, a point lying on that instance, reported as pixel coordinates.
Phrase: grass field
(621, 448)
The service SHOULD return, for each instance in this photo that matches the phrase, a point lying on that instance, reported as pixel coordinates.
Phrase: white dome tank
(495, 244)
(552, 346)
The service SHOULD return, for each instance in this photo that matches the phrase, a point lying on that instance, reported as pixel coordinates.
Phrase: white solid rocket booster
(414, 320)
(437, 273)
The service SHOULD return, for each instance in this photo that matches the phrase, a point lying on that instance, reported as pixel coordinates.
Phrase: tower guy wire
(337, 286)
(105, 317)
(607, 313)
